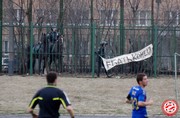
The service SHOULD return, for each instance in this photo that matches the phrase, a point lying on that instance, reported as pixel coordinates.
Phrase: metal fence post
(73, 47)
(93, 55)
(153, 38)
(122, 27)
(175, 41)
(0, 45)
(1, 17)
(92, 42)
(61, 16)
(31, 48)
(155, 51)
(174, 46)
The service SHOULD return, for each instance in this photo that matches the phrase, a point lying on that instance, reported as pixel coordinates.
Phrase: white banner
(127, 58)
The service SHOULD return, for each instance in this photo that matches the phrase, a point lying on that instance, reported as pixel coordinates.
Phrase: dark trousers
(100, 64)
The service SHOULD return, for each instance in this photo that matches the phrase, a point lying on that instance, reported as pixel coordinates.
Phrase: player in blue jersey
(137, 97)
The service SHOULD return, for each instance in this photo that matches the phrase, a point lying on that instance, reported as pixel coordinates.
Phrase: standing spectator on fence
(101, 53)
(49, 99)
(137, 97)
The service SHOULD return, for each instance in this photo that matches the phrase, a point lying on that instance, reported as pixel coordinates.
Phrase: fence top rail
(165, 28)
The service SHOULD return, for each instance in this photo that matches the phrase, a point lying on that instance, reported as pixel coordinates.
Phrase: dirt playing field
(87, 95)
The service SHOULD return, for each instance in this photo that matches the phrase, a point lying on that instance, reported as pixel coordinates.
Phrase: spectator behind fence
(101, 53)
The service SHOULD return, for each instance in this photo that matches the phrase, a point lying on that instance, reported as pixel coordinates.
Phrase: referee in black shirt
(49, 99)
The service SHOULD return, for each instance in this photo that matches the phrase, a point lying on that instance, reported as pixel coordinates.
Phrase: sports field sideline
(80, 116)
(88, 96)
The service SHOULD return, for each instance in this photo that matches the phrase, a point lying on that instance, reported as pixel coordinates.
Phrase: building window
(39, 14)
(108, 17)
(172, 18)
(18, 15)
(46, 16)
(5, 16)
(84, 17)
(6, 46)
(78, 16)
(51, 16)
(143, 18)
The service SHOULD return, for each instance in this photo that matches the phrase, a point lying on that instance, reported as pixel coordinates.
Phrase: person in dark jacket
(101, 53)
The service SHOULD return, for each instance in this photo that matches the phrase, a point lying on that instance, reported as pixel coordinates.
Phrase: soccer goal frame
(175, 73)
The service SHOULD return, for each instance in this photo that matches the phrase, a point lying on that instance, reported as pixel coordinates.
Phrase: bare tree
(107, 12)
(134, 6)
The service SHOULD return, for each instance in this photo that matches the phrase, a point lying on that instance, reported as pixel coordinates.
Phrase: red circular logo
(170, 107)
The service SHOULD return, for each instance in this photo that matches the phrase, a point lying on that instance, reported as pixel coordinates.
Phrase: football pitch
(89, 96)
(80, 116)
